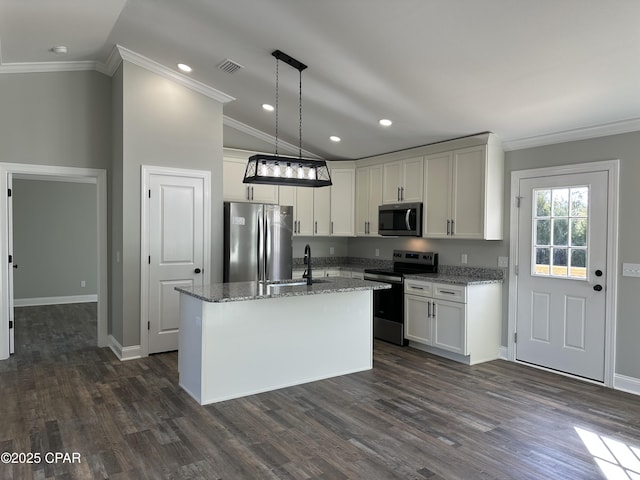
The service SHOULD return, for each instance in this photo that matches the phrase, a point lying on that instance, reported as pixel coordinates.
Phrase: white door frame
(65, 174)
(147, 171)
(611, 285)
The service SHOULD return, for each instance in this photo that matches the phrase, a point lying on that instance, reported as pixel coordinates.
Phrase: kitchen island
(238, 339)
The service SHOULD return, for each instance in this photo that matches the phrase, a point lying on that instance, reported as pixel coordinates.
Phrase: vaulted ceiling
(532, 72)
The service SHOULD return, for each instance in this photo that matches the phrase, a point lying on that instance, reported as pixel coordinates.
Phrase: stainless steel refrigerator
(257, 242)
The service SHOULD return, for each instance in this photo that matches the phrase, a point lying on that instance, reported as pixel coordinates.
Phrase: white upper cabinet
(233, 190)
(402, 181)
(464, 193)
(368, 199)
(301, 198)
(321, 210)
(343, 201)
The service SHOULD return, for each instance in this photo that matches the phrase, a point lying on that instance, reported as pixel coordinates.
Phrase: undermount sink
(292, 283)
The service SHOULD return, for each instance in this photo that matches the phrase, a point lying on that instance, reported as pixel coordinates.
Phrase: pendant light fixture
(279, 170)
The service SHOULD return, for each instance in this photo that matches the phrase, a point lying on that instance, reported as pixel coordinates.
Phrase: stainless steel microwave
(400, 219)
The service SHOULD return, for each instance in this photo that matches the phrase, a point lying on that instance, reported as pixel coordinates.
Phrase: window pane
(543, 258)
(543, 203)
(560, 231)
(579, 202)
(560, 262)
(543, 232)
(579, 263)
(579, 232)
(560, 198)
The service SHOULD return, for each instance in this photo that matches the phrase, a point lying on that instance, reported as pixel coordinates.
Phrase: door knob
(597, 288)
(15, 266)
(598, 273)
(197, 270)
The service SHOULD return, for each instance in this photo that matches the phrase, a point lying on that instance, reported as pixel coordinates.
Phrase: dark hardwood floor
(413, 416)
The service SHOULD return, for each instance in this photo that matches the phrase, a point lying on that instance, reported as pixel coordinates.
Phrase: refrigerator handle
(259, 246)
(266, 240)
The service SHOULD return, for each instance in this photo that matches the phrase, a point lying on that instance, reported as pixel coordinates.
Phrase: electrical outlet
(377, 252)
(503, 262)
(331, 250)
(463, 258)
(83, 284)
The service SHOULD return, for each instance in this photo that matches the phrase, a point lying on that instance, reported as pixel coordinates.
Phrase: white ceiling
(532, 72)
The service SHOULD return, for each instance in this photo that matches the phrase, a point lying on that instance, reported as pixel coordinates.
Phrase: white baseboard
(626, 384)
(124, 353)
(33, 302)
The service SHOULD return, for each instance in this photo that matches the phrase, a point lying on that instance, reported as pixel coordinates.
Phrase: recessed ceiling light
(267, 107)
(184, 67)
(385, 122)
(334, 138)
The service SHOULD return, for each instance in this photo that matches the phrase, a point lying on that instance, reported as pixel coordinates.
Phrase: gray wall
(167, 125)
(54, 238)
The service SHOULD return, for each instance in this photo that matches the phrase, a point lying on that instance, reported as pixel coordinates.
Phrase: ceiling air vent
(229, 66)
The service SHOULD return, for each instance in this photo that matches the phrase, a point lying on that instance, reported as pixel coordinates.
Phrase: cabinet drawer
(453, 293)
(417, 287)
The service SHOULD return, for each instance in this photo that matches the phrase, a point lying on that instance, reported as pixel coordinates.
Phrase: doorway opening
(50, 173)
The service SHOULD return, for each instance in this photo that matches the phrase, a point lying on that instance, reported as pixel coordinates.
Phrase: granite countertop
(465, 276)
(241, 291)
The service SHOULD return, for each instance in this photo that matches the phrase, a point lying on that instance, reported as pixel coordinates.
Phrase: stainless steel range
(388, 305)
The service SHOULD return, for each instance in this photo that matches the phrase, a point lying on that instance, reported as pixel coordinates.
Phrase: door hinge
(9, 192)
(10, 258)
(148, 325)
(149, 193)
(10, 323)
(516, 269)
(515, 337)
(149, 259)
(518, 202)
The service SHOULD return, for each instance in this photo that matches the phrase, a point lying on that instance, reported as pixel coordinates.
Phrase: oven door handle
(381, 278)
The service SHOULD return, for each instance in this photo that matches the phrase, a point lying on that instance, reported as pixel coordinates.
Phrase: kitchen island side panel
(190, 346)
(250, 347)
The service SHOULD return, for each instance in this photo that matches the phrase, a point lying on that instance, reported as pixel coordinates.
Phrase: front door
(176, 243)
(562, 273)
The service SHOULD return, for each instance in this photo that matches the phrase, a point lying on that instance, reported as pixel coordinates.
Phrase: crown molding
(286, 147)
(46, 67)
(170, 74)
(613, 128)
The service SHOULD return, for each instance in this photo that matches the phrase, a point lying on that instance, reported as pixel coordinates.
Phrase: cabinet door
(437, 183)
(363, 175)
(467, 208)
(233, 190)
(375, 197)
(417, 321)
(412, 186)
(321, 210)
(304, 210)
(343, 202)
(392, 175)
(449, 326)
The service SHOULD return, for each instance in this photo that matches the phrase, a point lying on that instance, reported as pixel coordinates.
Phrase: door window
(560, 243)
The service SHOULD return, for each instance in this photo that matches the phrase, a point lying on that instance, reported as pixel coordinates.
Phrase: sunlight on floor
(617, 460)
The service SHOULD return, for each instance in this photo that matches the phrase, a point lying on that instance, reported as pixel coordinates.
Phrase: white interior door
(562, 273)
(12, 264)
(176, 244)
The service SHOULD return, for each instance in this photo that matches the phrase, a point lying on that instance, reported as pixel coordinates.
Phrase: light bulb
(262, 170)
(288, 171)
(276, 170)
(312, 173)
(300, 171)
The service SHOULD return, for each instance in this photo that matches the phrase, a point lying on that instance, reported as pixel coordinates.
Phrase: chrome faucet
(308, 274)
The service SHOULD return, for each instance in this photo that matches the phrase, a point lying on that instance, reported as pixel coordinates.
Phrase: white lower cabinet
(460, 322)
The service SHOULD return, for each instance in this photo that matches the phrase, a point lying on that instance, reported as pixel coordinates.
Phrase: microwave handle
(406, 219)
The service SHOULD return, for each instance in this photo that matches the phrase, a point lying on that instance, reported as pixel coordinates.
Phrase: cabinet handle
(448, 292)
(398, 194)
(315, 227)
(401, 193)
(448, 227)
(434, 309)
(415, 287)
(248, 195)
(331, 228)
(428, 309)
(453, 230)
(299, 228)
